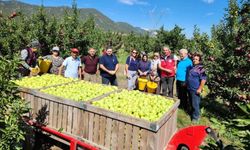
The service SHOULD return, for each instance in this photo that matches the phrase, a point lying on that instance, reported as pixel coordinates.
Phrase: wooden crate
(107, 129)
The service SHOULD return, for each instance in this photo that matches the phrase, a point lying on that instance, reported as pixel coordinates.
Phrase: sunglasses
(156, 56)
(134, 52)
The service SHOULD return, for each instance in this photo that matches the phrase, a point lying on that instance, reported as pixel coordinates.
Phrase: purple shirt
(144, 66)
(195, 75)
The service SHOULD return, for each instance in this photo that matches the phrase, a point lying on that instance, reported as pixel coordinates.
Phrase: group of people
(187, 70)
(84, 67)
(162, 69)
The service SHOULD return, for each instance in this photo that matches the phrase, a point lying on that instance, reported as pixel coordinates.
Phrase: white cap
(56, 48)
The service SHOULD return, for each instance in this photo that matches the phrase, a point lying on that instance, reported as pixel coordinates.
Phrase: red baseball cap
(74, 50)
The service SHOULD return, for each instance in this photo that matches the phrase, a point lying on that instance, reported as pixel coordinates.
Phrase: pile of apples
(79, 91)
(137, 104)
(37, 82)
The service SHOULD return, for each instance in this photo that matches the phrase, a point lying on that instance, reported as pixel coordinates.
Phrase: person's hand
(111, 72)
(151, 78)
(34, 71)
(38, 69)
(127, 76)
(168, 70)
(83, 72)
(198, 91)
(40, 57)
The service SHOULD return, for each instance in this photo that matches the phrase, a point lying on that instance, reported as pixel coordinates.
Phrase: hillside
(102, 21)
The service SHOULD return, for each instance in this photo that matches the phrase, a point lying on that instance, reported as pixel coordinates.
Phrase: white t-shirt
(154, 64)
(71, 67)
(176, 58)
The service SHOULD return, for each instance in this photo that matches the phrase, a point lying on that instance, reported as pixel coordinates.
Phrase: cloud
(146, 29)
(133, 2)
(210, 14)
(208, 1)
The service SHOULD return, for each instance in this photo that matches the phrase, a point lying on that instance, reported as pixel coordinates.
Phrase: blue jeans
(112, 80)
(132, 79)
(195, 100)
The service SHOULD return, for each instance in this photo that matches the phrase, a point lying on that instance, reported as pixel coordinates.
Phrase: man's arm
(113, 72)
(104, 68)
(98, 66)
(163, 69)
(80, 72)
(83, 61)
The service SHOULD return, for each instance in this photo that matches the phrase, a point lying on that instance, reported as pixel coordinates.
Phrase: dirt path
(121, 79)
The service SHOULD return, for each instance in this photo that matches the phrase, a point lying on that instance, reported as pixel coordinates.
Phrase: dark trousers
(195, 99)
(167, 86)
(182, 94)
(109, 80)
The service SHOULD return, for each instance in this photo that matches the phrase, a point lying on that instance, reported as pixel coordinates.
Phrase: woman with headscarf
(144, 66)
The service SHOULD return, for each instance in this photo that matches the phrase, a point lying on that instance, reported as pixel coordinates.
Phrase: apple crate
(107, 129)
(34, 97)
(120, 131)
(27, 93)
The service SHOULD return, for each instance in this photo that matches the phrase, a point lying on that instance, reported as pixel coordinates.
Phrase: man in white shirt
(72, 65)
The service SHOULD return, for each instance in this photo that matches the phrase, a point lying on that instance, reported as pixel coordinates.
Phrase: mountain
(102, 21)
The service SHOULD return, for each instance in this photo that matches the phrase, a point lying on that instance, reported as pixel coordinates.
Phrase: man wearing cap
(29, 58)
(72, 65)
(90, 65)
(55, 59)
(109, 66)
(167, 66)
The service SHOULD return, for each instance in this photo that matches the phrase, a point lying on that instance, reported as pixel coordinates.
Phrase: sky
(152, 14)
